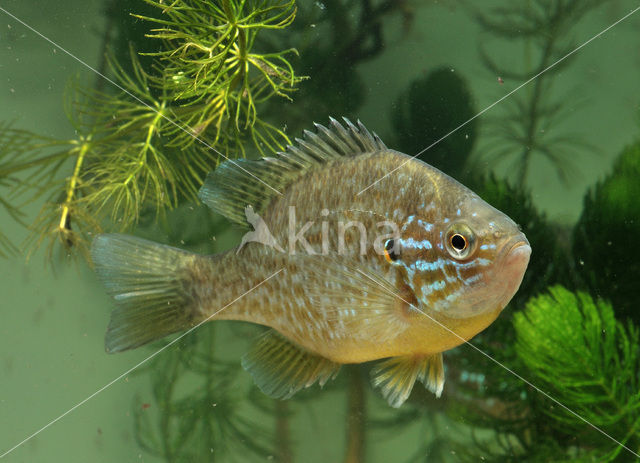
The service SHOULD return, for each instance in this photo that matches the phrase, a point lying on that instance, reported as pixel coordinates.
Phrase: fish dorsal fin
(236, 184)
(280, 368)
(396, 376)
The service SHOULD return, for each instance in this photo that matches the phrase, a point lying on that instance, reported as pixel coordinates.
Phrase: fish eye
(391, 251)
(460, 241)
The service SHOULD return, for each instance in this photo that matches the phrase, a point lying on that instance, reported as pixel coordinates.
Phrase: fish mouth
(502, 284)
(519, 240)
(514, 265)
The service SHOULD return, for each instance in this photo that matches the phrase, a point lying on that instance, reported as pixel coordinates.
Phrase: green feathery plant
(573, 348)
(13, 151)
(146, 147)
(524, 129)
(29, 166)
(208, 65)
(587, 360)
(604, 256)
(197, 411)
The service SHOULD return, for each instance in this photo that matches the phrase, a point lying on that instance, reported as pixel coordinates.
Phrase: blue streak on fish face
(462, 283)
(410, 243)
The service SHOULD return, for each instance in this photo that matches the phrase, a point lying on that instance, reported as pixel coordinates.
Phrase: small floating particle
(500, 81)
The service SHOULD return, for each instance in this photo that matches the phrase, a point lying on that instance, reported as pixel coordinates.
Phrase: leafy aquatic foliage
(429, 109)
(146, 147)
(587, 360)
(603, 243)
(208, 65)
(572, 348)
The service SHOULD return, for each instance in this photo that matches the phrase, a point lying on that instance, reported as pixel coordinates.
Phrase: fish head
(465, 260)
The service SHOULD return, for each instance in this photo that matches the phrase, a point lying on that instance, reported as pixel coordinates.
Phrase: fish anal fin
(432, 374)
(396, 376)
(280, 368)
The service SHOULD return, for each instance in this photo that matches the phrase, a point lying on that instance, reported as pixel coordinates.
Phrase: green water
(54, 317)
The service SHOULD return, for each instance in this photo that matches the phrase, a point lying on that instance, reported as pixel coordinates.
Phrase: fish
(359, 253)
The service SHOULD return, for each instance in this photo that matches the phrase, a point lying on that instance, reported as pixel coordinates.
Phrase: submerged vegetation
(430, 109)
(528, 126)
(202, 413)
(610, 215)
(573, 349)
(198, 81)
(588, 361)
(145, 142)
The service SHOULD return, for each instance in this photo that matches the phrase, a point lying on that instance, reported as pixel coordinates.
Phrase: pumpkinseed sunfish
(342, 267)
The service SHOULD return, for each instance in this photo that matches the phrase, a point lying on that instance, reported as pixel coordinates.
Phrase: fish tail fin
(150, 284)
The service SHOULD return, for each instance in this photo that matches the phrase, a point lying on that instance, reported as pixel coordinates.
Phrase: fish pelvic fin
(238, 183)
(149, 283)
(396, 376)
(281, 368)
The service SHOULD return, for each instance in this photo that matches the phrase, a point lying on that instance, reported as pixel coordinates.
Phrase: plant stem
(65, 220)
(356, 417)
(153, 128)
(533, 116)
(283, 438)
(104, 46)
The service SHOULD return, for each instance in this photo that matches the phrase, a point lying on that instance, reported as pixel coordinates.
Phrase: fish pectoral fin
(281, 368)
(396, 376)
(353, 296)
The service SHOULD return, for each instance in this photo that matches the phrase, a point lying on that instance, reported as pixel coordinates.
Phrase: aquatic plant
(147, 147)
(587, 360)
(573, 348)
(425, 112)
(334, 37)
(604, 258)
(198, 412)
(523, 130)
(17, 149)
(208, 65)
